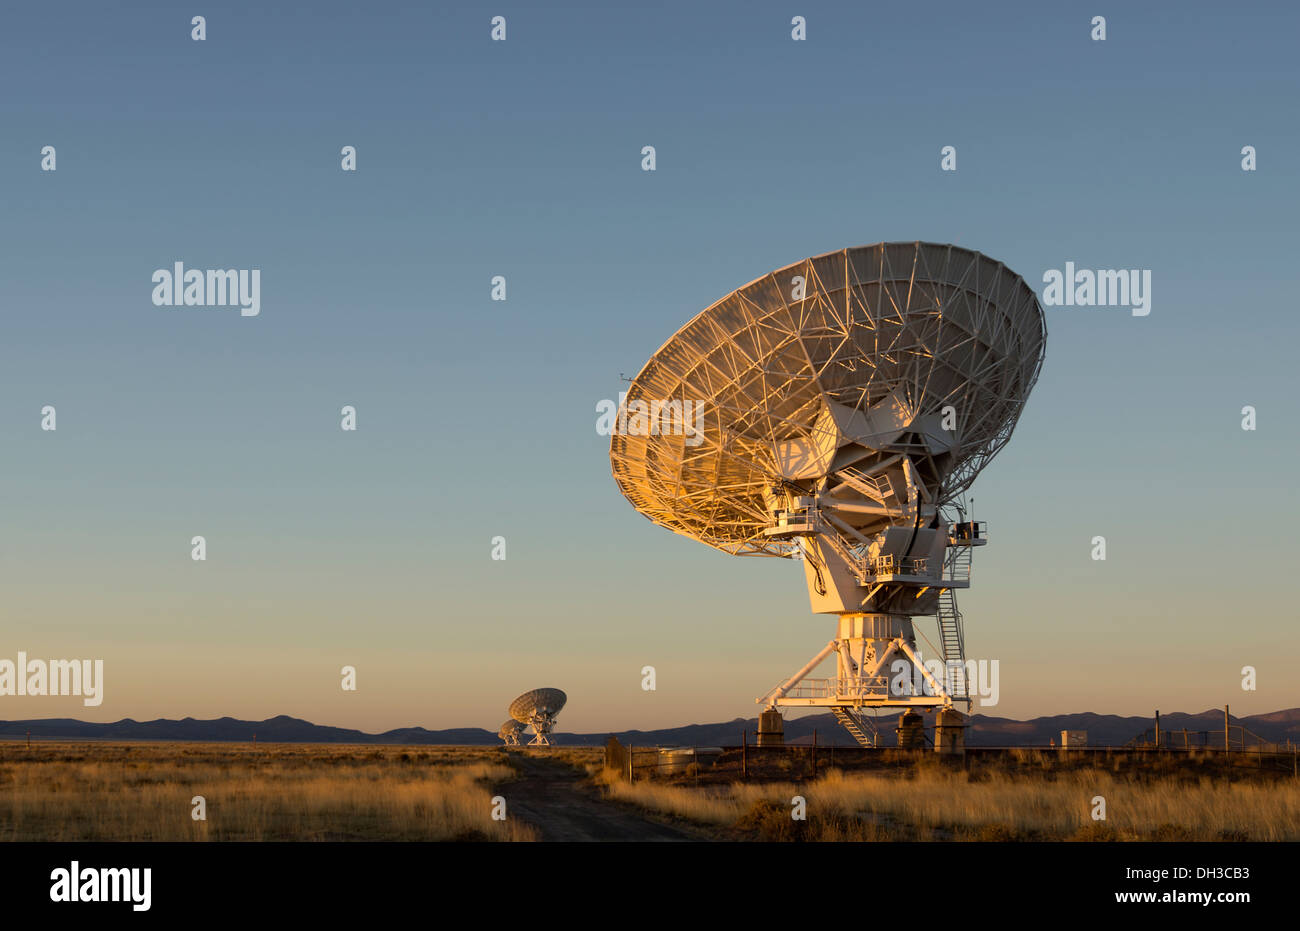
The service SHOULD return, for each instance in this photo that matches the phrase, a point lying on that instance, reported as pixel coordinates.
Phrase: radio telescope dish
(537, 709)
(836, 411)
(510, 732)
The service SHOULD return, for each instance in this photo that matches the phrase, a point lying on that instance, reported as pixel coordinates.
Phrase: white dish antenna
(538, 709)
(510, 732)
(848, 401)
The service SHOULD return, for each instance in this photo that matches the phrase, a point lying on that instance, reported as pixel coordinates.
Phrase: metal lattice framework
(900, 336)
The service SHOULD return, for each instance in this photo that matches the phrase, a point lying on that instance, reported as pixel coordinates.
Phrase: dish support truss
(877, 586)
(542, 724)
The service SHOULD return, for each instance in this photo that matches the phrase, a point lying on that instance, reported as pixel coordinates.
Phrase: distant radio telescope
(537, 709)
(849, 401)
(510, 732)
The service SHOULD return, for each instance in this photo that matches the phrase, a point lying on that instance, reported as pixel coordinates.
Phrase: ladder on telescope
(853, 724)
(956, 563)
(951, 645)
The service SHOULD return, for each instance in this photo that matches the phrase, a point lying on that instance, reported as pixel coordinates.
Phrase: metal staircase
(853, 724)
(951, 644)
(845, 552)
(957, 562)
(876, 487)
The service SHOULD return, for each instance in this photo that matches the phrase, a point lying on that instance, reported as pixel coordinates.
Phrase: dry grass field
(86, 791)
(935, 803)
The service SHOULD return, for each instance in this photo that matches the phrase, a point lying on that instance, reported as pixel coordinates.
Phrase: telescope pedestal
(876, 666)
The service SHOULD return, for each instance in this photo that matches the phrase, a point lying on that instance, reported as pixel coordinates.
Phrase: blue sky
(476, 418)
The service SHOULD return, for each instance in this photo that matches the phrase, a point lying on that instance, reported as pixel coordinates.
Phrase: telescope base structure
(910, 731)
(877, 666)
(950, 733)
(542, 726)
(771, 729)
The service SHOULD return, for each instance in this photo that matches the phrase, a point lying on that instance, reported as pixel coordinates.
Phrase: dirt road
(550, 796)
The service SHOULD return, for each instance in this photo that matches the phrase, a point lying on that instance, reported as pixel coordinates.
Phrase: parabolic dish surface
(541, 701)
(871, 349)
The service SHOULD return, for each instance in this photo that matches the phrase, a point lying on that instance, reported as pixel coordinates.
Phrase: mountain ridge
(985, 730)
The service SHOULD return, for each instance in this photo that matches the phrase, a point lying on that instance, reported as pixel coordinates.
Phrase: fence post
(814, 753)
(1227, 743)
(744, 754)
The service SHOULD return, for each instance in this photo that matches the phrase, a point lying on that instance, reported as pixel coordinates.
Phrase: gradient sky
(477, 418)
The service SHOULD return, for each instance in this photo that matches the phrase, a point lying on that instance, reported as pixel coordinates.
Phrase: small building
(1074, 739)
